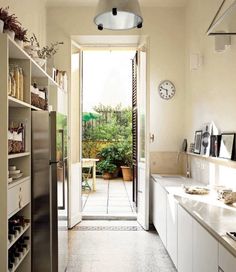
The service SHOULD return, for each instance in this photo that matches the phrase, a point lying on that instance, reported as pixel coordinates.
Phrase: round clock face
(166, 89)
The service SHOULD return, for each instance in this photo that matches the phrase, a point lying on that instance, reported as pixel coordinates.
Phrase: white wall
(165, 27)
(211, 90)
(32, 15)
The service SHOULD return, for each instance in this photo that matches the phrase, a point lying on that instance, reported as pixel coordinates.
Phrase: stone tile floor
(112, 197)
(117, 251)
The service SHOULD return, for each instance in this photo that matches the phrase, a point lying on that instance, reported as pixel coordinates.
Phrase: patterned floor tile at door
(112, 248)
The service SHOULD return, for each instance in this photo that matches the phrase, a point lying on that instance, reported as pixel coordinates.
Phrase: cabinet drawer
(227, 261)
(18, 197)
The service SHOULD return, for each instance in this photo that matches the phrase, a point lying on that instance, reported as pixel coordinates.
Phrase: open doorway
(107, 134)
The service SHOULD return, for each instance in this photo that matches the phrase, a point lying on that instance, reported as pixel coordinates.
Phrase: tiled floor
(112, 197)
(117, 251)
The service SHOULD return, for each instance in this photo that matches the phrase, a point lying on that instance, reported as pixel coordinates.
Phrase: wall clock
(166, 89)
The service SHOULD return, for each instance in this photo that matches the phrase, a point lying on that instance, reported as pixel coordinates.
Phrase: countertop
(216, 217)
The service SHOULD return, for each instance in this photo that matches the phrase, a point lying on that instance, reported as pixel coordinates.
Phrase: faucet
(188, 169)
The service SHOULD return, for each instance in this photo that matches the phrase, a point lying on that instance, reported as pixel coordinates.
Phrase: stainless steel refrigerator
(49, 190)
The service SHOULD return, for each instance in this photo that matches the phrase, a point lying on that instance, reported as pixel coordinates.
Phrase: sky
(107, 78)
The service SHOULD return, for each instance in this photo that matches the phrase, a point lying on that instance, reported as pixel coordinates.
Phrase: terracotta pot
(1, 26)
(10, 33)
(126, 173)
(107, 176)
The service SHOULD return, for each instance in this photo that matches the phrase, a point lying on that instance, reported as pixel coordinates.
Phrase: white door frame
(144, 166)
(74, 147)
(143, 44)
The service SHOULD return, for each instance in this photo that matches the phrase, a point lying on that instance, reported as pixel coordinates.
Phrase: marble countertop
(216, 217)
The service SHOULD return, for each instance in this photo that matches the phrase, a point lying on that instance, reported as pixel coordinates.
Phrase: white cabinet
(171, 228)
(205, 250)
(227, 262)
(185, 241)
(159, 211)
(18, 197)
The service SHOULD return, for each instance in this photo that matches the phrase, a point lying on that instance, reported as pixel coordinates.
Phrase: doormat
(107, 228)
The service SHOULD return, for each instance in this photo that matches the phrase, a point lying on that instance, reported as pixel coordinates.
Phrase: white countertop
(212, 214)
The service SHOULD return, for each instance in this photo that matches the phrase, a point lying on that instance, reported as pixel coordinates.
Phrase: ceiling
(145, 3)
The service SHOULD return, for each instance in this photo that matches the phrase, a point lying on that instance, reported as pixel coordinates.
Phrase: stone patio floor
(112, 197)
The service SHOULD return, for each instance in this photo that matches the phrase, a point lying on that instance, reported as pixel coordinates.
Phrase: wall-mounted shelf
(216, 160)
(15, 103)
(18, 155)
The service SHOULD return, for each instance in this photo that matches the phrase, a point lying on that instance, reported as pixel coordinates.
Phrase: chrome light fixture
(118, 15)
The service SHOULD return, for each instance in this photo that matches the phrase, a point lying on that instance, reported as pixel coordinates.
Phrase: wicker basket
(39, 102)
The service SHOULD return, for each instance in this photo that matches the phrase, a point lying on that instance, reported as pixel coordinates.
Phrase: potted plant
(21, 36)
(47, 52)
(3, 15)
(126, 154)
(111, 153)
(106, 168)
(10, 22)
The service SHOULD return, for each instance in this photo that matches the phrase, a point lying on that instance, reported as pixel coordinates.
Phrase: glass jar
(17, 79)
(21, 84)
(9, 83)
(13, 84)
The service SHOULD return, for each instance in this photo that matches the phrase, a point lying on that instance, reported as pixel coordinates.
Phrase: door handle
(139, 191)
(152, 138)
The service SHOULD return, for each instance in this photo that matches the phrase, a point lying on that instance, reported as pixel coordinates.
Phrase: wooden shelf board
(17, 181)
(18, 155)
(16, 52)
(21, 260)
(16, 238)
(35, 108)
(17, 210)
(216, 160)
(15, 103)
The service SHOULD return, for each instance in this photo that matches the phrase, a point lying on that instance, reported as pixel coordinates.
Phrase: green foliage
(106, 167)
(114, 127)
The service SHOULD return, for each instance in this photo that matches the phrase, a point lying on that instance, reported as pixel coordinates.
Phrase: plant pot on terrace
(107, 169)
(127, 173)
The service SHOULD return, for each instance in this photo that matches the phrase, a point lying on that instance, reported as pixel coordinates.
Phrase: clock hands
(165, 90)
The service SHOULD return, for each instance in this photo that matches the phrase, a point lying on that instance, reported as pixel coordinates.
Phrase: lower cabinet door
(205, 250)
(185, 241)
(227, 262)
(171, 228)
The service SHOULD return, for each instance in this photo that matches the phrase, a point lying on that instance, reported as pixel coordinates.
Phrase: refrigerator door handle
(53, 162)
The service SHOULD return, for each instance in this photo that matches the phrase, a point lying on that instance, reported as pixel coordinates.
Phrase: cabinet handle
(220, 269)
(20, 198)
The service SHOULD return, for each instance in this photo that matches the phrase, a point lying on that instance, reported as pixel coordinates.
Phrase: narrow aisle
(116, 246)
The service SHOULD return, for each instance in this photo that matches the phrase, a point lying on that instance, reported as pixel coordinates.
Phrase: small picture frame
(198, 142)
(227, 145)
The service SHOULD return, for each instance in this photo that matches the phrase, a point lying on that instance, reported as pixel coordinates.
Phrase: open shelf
(19, 235)
(17, 181)
(21, 260)
(216, 160)
(16, 103)
(18, 155)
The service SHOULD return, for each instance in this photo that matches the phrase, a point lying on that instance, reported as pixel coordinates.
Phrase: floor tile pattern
(113, 197)
(117, 251)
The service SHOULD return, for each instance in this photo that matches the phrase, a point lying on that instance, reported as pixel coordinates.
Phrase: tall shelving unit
(15, 198)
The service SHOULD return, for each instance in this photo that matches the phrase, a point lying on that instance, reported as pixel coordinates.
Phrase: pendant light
(118, 15)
